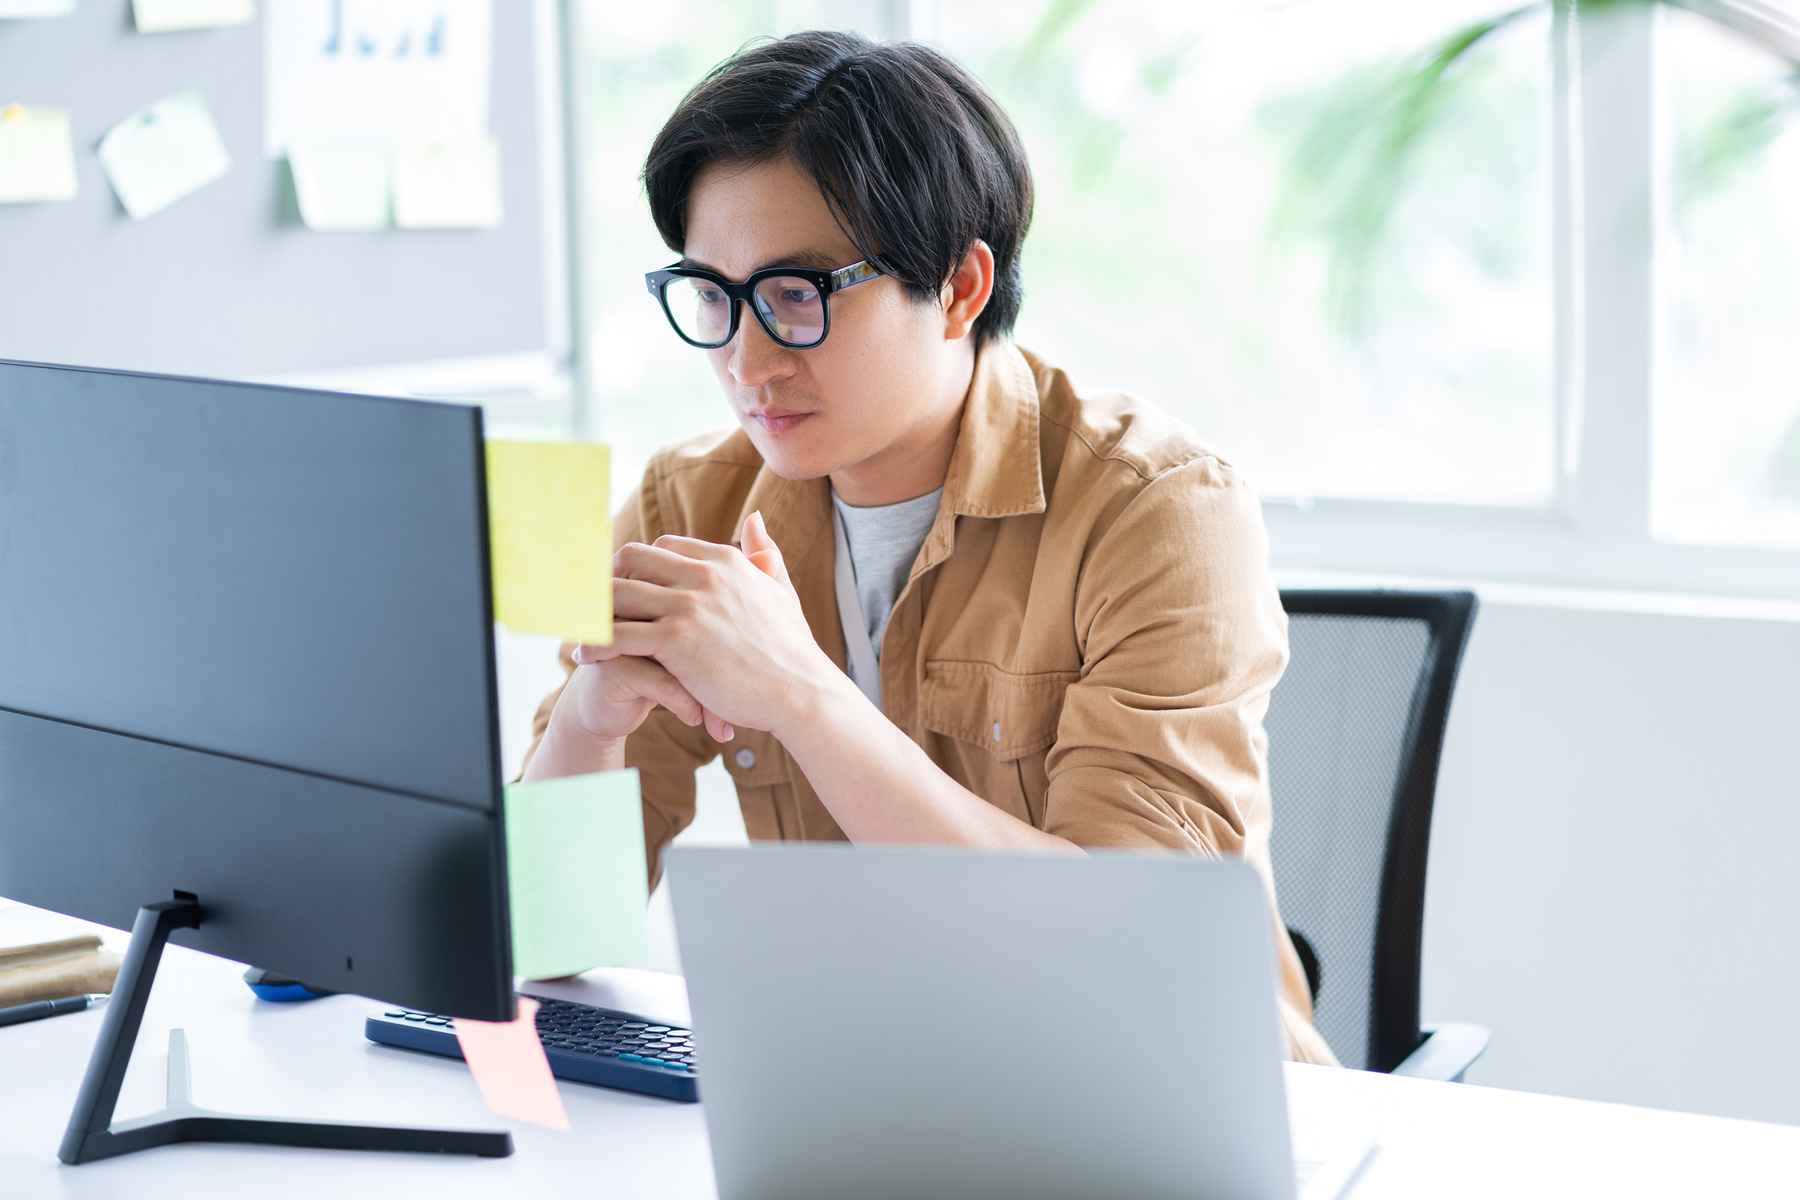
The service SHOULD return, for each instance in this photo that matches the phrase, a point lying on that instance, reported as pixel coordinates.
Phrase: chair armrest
(1446, 1052)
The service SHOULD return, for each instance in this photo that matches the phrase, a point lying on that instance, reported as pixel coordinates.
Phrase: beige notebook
(34, 935)
(46, 956)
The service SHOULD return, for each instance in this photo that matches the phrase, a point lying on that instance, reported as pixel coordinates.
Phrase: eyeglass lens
(791, 306)
(700, 309)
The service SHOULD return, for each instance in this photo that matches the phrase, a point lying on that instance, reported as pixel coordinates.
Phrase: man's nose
(757, 358)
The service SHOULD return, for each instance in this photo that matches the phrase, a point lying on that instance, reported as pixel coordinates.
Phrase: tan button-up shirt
(1087, 639)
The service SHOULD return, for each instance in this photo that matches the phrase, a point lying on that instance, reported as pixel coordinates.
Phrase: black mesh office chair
(1356, 727)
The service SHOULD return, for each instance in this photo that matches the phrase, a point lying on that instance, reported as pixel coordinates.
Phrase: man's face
(886, 371)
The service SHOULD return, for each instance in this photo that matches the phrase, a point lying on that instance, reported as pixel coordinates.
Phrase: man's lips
(777, 420)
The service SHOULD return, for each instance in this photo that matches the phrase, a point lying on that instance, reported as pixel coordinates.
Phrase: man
(972, 605)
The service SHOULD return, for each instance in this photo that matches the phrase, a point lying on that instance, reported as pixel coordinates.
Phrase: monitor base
(93, 1134)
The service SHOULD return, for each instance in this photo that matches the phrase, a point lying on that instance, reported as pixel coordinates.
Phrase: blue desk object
(269, 986)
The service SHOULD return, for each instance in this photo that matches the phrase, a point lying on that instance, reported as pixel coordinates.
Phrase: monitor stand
(93, 1134)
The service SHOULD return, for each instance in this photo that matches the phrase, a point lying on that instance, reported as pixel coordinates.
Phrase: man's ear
(968, 289)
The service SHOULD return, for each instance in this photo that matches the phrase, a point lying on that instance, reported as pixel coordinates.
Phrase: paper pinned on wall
(37, 155)
(576, 877)
(550, 538)
(162, 153)
(388, 71)
(510, 1069)
(12, 9)
(342, 187)
(170, 16)
(452, 185)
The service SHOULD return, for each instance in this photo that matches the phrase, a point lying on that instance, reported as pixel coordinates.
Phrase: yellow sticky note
(550, 538)
(575, 875)
(452, 185)
(37, 155)
(168, 16)
(510, 1068)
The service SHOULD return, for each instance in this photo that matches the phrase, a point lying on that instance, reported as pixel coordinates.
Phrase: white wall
(1612, 888)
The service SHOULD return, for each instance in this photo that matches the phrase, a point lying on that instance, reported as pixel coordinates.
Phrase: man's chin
(790, 461)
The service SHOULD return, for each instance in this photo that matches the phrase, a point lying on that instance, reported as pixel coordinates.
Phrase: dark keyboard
(590, 1045)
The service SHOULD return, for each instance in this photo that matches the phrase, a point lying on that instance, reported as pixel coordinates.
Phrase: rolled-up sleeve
(1160, 742)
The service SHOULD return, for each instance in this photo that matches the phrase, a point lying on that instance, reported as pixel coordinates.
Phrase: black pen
(38, 1009)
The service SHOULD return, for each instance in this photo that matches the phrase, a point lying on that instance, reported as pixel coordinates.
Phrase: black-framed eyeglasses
(789, 302)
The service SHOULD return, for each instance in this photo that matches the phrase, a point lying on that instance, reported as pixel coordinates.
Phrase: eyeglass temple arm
(855, 273)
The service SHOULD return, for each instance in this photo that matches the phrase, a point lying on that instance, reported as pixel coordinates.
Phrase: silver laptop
(920, 1022)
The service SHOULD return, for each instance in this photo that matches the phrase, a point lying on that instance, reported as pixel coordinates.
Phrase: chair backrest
(1356, 727)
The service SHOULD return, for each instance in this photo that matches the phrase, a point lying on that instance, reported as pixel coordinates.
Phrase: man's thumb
(761, 549)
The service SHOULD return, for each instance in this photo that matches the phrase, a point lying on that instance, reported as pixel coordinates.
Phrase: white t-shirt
(883, 542)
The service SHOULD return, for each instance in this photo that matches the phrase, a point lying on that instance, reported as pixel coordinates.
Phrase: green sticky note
(575, 873)
(10, 9)
(37, 155)
(168, 16)
(550, 538)
(342, 187)
(161, 17)
(452, 185)
(162, 153)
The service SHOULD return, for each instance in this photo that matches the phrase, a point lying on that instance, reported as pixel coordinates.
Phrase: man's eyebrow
(814, 260)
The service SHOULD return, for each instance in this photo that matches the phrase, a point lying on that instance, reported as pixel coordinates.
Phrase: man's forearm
(880, 786)
(564, 751)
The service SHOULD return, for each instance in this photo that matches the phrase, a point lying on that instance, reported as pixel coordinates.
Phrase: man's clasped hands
(713, 633)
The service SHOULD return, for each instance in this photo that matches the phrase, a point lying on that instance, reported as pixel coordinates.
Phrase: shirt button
(747, 758)
(996, 731)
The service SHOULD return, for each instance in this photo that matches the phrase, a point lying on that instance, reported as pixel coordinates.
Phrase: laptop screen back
(910, 1022)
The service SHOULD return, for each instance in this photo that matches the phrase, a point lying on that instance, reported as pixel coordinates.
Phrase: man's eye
(798, 295)
(710, 295)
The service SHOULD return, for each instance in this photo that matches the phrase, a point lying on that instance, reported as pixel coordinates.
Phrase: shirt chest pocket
(1008, 715)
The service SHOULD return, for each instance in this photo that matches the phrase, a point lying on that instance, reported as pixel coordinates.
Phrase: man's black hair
(914, 158)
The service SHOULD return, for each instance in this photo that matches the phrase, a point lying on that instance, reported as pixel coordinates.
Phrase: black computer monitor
(247, 671)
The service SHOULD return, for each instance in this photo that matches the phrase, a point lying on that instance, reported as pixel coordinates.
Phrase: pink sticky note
(509, 1066)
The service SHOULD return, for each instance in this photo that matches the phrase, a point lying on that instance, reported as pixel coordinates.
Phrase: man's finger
(641, 600)
(640, 639)
(587, 654)
(695, 548)
(761, 549)
(660, 564)
(649, 680)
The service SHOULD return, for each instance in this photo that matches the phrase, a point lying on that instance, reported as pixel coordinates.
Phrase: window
(1728, 419)
(1233, 225)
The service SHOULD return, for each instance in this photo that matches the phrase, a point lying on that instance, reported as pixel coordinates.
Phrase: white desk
(310, 1059)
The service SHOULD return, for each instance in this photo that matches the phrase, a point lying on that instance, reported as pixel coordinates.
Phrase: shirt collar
(995, 469)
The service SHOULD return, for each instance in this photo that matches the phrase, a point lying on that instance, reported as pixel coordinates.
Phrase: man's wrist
(574, 751)
(827, 694)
